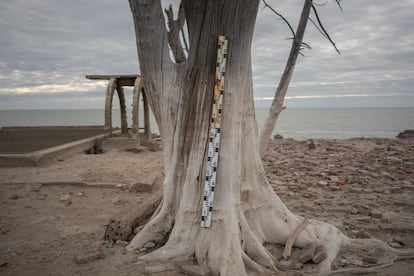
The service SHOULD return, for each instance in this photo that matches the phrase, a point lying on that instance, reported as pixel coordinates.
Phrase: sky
(48, 46)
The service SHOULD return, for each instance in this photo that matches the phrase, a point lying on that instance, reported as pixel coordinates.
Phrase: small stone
(378, 190)
(395, 244)
(333, 178)
(307, 252)
(81, 194)
(342, 262)
(159, 267)
(323, 183)
(121, 186)
(14, 197)
(82, 259)
(195, 270)
(376, 215)
(284, 265)
(65, 197)
(41, 197)
(108, 244)
(355, 190)
(354, 211)
(332, 172)
(320, 254)
(277, 137)
(342, 182)
(361, 234)
(311, 145)
(149, 245)
(141, 187)
(121, 243)
(296, 265)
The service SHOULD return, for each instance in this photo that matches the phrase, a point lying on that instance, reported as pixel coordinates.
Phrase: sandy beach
(53, 218)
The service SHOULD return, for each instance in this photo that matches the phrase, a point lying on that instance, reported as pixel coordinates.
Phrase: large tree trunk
(246, 213)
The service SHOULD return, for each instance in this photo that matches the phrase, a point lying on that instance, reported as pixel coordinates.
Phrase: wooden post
(108, 106)
(147, 126)
(135, 109)
(124, 124)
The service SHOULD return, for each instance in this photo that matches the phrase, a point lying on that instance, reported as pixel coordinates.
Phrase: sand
(52, 219)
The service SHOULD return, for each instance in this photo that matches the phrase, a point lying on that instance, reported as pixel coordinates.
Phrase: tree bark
(247, 213)
(277, 103)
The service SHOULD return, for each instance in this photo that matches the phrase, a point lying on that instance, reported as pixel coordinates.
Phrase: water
(341, 123)
(298, 123)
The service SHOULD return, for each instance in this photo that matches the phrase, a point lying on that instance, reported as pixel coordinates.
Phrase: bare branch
(324, 30)
(317, 27)
(181, 16)
(281, 16)
(339, 4)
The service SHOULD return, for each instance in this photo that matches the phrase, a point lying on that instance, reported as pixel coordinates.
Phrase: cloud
(47, 47)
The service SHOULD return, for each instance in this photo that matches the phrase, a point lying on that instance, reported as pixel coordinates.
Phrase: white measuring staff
(214, 137)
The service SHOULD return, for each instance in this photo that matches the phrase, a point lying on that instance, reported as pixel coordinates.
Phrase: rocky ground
(52, 219)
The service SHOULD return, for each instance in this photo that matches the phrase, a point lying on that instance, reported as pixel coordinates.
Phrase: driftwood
(292, 237)
(123, 228)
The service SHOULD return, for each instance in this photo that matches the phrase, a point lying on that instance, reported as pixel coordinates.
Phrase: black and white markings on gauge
(214, 136)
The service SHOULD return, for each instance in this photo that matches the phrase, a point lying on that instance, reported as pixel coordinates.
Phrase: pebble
(121, 243)
(307, 252)
(361, 234)
(320, 254)
(284, 265)
(195, 270)
(65, 197)
(156, 268)
(82, 259)
(376, 215)
(395, 244)
(378, 190)
(334, 178)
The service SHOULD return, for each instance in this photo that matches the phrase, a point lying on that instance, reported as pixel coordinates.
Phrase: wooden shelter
(117, 82)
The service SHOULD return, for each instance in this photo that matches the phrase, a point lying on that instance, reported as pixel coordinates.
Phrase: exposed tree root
(368, 269)
(154, 231)
(376, 247)
(122, 229)
(292, 237)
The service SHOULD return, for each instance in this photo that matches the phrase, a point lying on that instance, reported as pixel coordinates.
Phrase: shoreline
(54, 217)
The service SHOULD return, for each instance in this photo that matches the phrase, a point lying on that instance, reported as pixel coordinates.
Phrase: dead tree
(247, 212)
(277, 103)
(295, 50)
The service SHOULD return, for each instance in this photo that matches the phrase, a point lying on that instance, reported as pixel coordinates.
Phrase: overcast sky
(48, 46)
